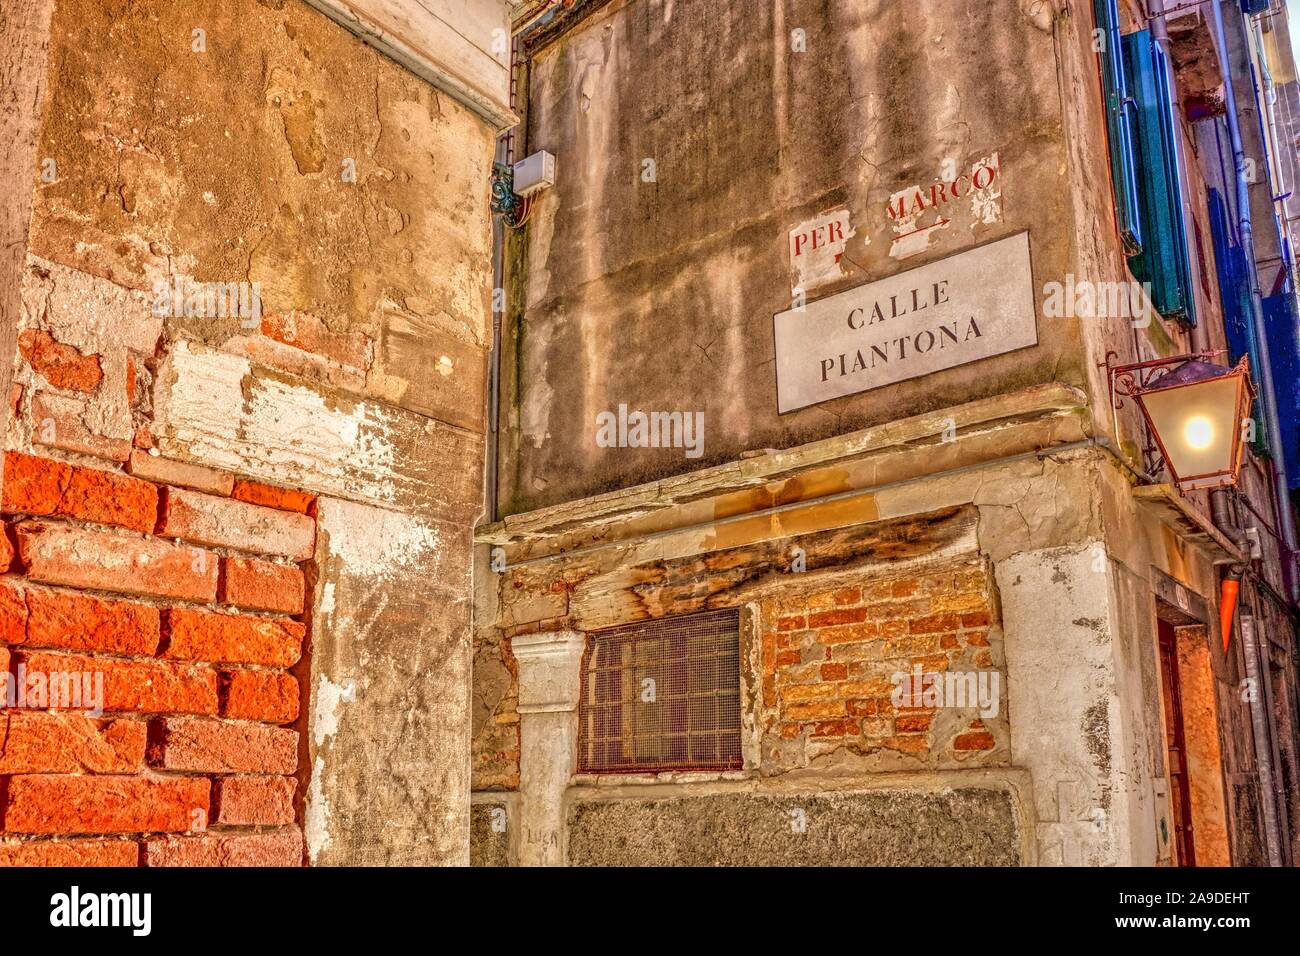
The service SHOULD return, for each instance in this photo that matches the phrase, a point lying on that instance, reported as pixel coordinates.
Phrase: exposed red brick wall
(830, 660)
(188, 603)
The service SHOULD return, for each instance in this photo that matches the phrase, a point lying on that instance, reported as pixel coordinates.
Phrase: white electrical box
(534, 174)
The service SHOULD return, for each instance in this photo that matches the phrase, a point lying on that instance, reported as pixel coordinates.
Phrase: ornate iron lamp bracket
(1126, 381)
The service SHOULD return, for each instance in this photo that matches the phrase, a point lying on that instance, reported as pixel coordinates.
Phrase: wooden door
(1179, 788)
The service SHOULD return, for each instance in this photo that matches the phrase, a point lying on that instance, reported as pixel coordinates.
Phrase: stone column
(549, 686)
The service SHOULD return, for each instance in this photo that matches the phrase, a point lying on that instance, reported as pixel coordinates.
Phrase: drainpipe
(1267, 395)
(1263, 750)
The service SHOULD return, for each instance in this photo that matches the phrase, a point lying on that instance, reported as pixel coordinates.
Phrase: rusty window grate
(662, 695)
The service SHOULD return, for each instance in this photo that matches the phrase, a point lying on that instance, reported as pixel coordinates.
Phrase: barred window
(662, 695)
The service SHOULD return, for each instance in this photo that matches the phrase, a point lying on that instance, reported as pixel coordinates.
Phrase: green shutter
(1163, 260)
(1119, 126)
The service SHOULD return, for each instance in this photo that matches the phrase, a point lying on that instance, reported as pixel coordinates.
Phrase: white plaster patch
(218, 410)
(375, 542)
(87, 312)
(328, 698)
(316, 814)
(816, 248)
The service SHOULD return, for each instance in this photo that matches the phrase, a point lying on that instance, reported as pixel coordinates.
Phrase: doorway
(1180, 792)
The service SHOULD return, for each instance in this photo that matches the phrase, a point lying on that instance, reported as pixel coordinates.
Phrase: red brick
(80, 622)
(82, 804)
(848, 634)
(137, 686)
(862, 708)
(6, 549)
(836, 728)
(165, 471)
(978, 638)
(13, 612)
(282, 499)
(907, 744)
(304, 331)
(975, 619)
(32, 742)
(277, 848)
(260, 695)
(206, 519)
(847, 596)
(854, 615)
(786, 658)
(69, 853)
(253, 801)
(980, 740)
(40, 486)
(60, 365)
(59, 422)
(106, 498)
(811, 692)
(905, 588)
(232, 638)
(820, 709)
(912, 723)
(793, 623)
(60, 554)
(834, 671)
(263, 585)
(935, 623)
(217, 746)
(33, 485)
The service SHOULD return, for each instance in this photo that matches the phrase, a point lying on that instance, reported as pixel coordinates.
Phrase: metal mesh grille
(662, 695)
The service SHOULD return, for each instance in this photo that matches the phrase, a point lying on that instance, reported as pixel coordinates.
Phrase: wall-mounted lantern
(1197, 412)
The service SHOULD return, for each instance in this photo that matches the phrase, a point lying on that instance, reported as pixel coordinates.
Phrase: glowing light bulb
(1198, 432)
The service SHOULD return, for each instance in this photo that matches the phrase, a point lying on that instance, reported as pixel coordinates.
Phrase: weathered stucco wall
(660, 294)
(195, 153)
(1016, 558)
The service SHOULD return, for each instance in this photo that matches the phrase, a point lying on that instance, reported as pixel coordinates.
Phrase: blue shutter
(1234, 295)
(1234, 287)
(1163, 260)
(1119, 127)
(1282, 326)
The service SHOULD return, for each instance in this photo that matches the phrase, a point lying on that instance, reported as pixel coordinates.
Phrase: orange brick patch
(263, 585)
(837, 688)
(60, 365)
(232, 638)
(190, 644)
(284, 499)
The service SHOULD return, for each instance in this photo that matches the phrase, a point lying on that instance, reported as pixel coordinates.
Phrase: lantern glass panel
(1198, 425)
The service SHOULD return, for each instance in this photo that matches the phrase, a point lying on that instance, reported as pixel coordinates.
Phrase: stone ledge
(1047, 414)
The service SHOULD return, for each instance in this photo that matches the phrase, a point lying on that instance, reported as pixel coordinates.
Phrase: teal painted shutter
(1120, 110)
(1163, 260)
